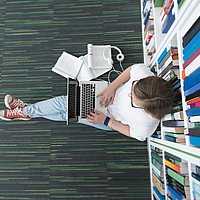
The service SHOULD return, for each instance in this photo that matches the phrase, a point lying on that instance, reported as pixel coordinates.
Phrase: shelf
(190, 6)
(190, 154)
(168, 62)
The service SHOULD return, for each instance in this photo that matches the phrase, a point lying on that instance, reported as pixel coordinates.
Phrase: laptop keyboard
(88, 99)
(72, 98)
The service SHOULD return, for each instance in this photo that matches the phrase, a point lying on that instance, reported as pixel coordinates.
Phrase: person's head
(154, 95)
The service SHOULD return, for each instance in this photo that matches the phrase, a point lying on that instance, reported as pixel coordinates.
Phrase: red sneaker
(15, 114)
(12, 102)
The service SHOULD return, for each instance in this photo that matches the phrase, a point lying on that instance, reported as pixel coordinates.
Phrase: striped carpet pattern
(41, 159)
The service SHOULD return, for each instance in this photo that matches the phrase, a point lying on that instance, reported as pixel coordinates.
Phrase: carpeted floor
(41, 159)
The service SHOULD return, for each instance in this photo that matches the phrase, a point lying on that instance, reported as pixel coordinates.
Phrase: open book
(68, 65)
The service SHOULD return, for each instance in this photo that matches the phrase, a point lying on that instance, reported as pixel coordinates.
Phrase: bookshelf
(171, 47)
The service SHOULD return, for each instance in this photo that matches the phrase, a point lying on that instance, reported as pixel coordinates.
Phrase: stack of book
(191, 80)
(157, 172)
(148, 28)
(177, 177)
(174, 130)
(167, 15)
(196, 181)
(168, 64)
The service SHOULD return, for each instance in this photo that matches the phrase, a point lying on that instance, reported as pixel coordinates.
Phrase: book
(174, 71)
(157, 171)
(161, 178)
(196, 176)
(173, 129)
(193, 42)
(191, 32)
(158, 165)
(191, 58)
(149, 26)
(196, 99)
(193, 112)
(68, 65)
(158, 194)
(168, 22)
(169, 61)
(194, 119)
(194, 105)
(196, 124)
(174, 116)
(180, 170)
(174, 161)
(175, 158)
(192, 90)
(173, 123)
(185, 192)
(175, 183)
(163, 54)
(157, 157)
(168, 6)
(177, 85)
(195, 141)
(193, 95)
(187, 53)
(172, 52)
(191, 80)
(174, 139)
(179, 135)
(174, 194)
(194, 131)
(184, 180)
(146, 17)
(158, 184)
(171, 67)
(191, 68)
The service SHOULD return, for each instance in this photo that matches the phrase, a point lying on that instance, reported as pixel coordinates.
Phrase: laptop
(82, 98)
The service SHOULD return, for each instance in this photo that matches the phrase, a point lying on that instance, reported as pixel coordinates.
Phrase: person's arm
(121, 128)
(98, 117)
(107, 96)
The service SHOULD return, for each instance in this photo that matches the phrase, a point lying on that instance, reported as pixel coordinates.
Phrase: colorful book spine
(193, 112)
(192, 90)
(173, 193)
(195, 141)
(158, 194)
(196, 99)
(163, 54)
(184, 180)
(192, 79)
(191, 32)
(192, 44)
(168, 22)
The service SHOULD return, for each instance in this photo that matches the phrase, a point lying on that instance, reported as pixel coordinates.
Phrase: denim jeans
(55, 109)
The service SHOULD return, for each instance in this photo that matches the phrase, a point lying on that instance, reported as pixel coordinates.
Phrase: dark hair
(156, 94)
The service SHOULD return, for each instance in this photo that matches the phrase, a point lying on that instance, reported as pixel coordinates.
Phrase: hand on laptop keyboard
(107, 96)
(96, 117)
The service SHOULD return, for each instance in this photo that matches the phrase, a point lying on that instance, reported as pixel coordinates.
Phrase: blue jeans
(55, 109)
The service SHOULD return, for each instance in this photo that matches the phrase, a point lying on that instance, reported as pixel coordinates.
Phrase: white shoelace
(11, 113)
(18, 102)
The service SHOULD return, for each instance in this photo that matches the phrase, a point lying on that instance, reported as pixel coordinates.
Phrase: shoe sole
(7, 119)
(6, 101)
